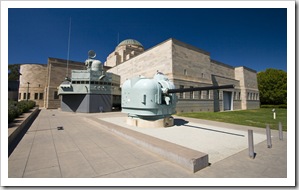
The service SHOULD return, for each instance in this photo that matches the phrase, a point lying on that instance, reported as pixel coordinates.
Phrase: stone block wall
(185, 106)
(36, 75)
(146, 64)
(248, 87)
(221, 69)
(57, 71)
(190, 63)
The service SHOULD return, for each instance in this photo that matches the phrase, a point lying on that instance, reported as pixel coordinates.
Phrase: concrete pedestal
(158, 123)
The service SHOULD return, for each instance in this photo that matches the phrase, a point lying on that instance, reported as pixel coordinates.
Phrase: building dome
(130, 42)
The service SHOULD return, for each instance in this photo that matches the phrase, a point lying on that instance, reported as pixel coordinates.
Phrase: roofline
(65, 60)
(247, 68)
(29, 64)
(188, 46)
(222, 64)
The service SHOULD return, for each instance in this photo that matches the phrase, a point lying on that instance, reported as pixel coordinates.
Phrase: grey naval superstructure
(91, 90)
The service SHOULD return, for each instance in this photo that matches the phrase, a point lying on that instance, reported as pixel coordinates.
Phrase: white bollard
(274, 114)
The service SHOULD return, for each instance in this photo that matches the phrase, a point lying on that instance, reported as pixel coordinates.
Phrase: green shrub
(17, 108)
(12, 113)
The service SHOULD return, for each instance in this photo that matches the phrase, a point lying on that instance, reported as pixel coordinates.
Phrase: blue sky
(255, 38)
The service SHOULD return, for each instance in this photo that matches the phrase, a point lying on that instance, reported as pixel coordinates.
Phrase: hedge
(17, 108)
(274, 106)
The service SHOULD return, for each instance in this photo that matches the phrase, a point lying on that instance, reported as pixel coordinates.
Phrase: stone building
(39, 82)
(124, 51)
(185, 65)
(188, 66)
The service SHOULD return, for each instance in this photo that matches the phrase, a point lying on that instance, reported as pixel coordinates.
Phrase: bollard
(268, 132)
(250, 143)
(280, 131)
(274, 114)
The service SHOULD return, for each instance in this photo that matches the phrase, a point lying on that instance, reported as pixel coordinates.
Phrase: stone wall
(185, 106)
(44, 79)
(221, 69)
(146, 64)
(57, 71)
(190, 63)
(248, 87)
(36, 75)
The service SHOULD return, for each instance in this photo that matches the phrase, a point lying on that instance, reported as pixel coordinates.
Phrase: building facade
(39, 82)
(188, 66)
(185, 65)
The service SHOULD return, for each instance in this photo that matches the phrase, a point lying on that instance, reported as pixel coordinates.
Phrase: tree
(272, 85)
(13, 72)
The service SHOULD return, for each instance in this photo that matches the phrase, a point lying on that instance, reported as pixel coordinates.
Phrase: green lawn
(256, 118)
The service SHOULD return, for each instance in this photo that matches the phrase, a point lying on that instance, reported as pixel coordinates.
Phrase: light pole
(27, 91)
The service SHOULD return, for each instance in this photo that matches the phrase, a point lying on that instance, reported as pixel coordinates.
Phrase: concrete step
(190, 159)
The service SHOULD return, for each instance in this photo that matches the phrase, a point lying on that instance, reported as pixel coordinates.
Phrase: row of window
(95, 82)
(252, 96)
(37, 96)
(203, 94)
(208, 94)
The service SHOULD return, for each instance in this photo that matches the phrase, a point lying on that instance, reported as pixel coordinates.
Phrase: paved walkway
(82, 149)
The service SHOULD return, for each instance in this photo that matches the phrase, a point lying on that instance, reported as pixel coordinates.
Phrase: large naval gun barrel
(180, 90)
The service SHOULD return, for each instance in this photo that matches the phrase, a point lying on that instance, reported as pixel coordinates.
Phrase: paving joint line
(55, 149)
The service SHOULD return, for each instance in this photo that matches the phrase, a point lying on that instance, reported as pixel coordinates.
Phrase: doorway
(227, 100)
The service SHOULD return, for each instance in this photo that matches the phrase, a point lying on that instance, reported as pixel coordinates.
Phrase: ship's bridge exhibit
(91, 90)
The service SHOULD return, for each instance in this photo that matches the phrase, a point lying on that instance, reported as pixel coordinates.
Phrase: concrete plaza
(74, 145)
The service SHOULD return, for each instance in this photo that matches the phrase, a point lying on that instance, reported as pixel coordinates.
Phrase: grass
(256, 118)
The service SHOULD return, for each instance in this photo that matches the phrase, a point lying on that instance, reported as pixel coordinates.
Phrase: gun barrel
(178, 90)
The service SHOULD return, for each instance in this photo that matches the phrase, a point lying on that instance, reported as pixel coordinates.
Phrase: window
(56, 95)
(199, 94)
(181, 93)
(28, 96)
(41, 96)
(208, 94)
(20, 95)
(239, 95)
(185, 72)
(24, 96)
(35, 96)
(191, 93)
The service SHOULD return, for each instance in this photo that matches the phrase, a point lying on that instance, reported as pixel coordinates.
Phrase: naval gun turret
(151, 102)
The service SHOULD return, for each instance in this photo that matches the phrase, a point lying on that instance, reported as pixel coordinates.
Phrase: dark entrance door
(227, 100)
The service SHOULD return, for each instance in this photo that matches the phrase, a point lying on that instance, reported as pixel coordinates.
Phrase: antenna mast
(117, 38)
(68, 49)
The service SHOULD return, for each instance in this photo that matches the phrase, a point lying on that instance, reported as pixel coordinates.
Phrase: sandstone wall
(57, 71)
(36, 75)
(146, 64)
